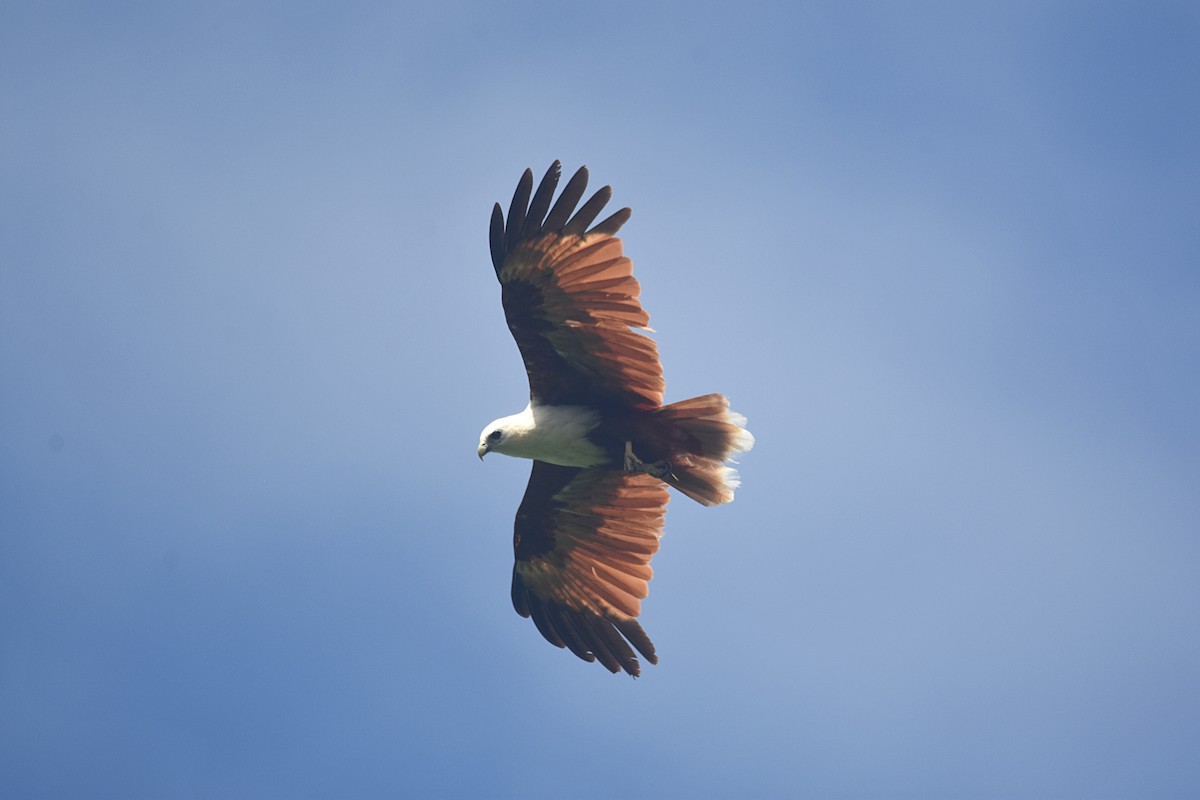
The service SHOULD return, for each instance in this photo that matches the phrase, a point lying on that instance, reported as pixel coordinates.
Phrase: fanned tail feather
(705, 434)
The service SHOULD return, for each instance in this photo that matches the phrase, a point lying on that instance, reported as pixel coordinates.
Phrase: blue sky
(944, 257)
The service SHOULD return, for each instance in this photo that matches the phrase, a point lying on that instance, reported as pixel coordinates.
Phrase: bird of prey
(604, 447)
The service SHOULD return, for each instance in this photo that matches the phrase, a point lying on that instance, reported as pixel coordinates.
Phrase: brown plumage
(583, 542)
(571, 299)
(604, 446)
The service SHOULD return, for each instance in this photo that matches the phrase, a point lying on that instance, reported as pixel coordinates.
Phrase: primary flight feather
(604, 448)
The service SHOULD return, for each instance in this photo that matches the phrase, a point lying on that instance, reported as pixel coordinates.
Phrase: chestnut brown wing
(570, 298)
(583, 541)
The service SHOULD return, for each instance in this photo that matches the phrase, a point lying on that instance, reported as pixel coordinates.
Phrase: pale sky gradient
(944, 257)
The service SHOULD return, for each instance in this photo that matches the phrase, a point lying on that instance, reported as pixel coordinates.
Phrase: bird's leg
(634, 465)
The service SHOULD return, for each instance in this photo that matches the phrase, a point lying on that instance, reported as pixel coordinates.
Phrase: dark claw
(659, 469)
(634, 465)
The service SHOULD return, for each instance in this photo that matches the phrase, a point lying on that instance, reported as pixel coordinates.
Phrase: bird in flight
(604, 447)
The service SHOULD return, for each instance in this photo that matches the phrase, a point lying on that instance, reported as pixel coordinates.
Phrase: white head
(503, 434)
(557, 434)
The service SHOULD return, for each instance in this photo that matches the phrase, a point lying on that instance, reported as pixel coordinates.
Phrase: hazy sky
(944, 257)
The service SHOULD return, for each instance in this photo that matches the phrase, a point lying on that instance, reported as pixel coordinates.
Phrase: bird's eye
(494, 436)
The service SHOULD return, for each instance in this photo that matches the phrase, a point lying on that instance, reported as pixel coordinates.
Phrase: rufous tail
(704, 434)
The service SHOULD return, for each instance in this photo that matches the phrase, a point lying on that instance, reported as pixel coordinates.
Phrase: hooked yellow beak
(483, 450)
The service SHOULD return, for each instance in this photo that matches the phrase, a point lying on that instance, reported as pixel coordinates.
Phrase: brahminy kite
(603, 445)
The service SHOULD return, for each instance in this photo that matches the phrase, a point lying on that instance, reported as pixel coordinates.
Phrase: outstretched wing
(583, 541)
(571, 299)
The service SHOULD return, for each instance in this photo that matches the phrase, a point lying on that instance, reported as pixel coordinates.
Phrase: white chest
(556, 434)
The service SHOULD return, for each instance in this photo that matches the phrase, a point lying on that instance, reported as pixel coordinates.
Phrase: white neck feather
(557, 434)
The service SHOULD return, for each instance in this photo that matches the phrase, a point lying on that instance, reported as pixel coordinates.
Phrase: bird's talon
(659, 469)
(634, 465)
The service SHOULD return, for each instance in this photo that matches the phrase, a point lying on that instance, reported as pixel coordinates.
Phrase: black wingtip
(527, 218)
(588, 212)
(541, 200)
(517, 209)
(633, 631)
(567, 200)
(496, 237)
(612, 224)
